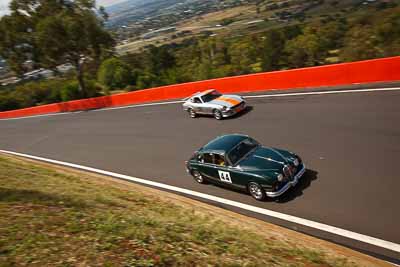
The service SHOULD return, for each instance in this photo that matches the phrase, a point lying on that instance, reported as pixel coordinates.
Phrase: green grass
(52, 218)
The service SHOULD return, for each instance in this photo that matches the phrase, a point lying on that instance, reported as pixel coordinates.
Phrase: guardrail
(360, 72)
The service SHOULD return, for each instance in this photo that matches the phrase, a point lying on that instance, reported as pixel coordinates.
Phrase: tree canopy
(49, 33)
(114, 74)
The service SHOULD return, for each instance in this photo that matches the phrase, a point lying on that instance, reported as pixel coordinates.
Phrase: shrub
(8, 102)
(114, 74)
(70, 90)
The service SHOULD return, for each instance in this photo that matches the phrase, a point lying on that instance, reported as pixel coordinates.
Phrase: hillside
(136, 10)
(141, 23)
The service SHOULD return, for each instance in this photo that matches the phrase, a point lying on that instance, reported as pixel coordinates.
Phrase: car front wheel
(198, 177)
(192, 113)
(217, 114)
(256, 191)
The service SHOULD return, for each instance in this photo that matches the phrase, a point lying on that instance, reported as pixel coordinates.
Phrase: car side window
(219, 160)
(200, 158)
(208, 158)
(197, 100)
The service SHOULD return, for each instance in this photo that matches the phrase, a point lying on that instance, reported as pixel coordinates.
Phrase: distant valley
(133, 10)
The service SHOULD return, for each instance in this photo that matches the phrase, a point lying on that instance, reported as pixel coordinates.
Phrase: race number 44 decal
(225, 176)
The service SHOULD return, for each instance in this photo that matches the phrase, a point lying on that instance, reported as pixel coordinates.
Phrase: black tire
(256, 191)
(192, 113)
(198, 177)
(217, 114)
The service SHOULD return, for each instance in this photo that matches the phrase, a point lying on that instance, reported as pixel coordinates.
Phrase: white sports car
(211, 102)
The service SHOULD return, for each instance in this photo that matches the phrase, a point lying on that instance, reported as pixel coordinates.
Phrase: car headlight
(224, 108)
(280, 177)
(296, 162)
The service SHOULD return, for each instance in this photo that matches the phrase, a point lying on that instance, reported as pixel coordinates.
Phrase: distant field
(245, 19)
(53, 216)
(214, 18)
(197, 25)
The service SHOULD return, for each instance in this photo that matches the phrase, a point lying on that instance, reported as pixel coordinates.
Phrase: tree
(114, 74)
(15, 41)
(306, 49)
(241, 54)
(388, 33)
(274, 43)
(146, 80)
(160, 59)
(51, 33)
(360, 43)
(331, 34)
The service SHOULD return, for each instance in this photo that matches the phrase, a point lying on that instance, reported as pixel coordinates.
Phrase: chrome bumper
(289, 184)
(231, 112)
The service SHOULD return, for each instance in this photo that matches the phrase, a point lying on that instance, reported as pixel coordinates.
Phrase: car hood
(264, 159)
(227, 101)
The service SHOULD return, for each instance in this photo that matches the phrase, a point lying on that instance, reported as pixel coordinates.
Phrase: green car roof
(224, 143)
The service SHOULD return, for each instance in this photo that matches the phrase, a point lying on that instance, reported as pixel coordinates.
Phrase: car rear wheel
(192, 113)
(256, 191)
(198, 177)
(217, 114)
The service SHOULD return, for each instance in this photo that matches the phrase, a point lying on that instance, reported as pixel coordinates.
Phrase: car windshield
(241, 150)
(211, 96)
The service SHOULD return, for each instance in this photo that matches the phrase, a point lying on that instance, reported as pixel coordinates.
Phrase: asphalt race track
(349, 142)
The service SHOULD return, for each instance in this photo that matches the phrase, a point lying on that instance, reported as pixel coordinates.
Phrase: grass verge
(62, 217)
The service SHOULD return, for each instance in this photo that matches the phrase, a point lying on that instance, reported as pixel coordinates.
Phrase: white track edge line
(141, 105)
(246, 97)
(316, 225)
(325, 92)
(38, 116)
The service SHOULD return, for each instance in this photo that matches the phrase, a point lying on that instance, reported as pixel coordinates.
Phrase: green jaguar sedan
(240, 162)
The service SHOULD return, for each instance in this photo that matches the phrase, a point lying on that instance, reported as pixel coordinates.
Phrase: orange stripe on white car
(231, 101)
